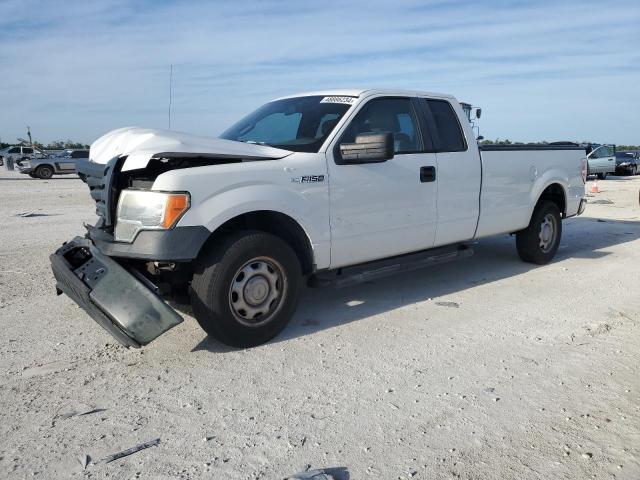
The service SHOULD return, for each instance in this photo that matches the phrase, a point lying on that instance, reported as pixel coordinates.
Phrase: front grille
(99, 177)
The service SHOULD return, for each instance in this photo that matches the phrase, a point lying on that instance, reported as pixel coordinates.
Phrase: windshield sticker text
(345, 100)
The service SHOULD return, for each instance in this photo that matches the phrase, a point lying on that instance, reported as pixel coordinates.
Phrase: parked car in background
(627, 163)
(601, 160)
(12, 155)
(62, 164)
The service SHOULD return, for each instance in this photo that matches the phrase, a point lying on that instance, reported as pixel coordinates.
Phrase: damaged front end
(121, 271)
(111, 280)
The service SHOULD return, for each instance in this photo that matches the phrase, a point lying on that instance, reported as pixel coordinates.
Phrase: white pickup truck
(332, 187)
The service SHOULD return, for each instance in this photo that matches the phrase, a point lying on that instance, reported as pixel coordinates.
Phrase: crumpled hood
(141, 144)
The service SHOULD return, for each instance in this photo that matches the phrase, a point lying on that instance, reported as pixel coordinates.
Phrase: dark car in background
(627, 163)
(62, 164)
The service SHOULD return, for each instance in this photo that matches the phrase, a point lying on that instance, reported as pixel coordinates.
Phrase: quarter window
(393, 115)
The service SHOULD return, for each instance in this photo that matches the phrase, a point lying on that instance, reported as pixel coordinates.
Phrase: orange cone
(594, 187)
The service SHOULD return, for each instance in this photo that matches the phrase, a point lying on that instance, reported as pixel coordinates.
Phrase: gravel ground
(488, 368)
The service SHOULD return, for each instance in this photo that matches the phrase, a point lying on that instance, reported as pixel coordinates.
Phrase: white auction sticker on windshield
(345, 100)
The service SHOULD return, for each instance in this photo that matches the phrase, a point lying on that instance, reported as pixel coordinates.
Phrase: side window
(276, 128)
(449, 136)
(393, 115)
(14, 150)
(600, 152)
(27, 150)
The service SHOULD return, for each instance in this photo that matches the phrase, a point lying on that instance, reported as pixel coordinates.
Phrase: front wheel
(44, 171)
(539, 242)
(602, 176)
(245, 290)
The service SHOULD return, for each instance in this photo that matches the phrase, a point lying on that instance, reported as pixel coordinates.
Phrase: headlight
(144, 210)
(624, 164)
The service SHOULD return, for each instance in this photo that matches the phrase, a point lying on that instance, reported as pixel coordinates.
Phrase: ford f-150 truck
(331, 187)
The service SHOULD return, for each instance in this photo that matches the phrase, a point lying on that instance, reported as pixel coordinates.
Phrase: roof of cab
(360, 92)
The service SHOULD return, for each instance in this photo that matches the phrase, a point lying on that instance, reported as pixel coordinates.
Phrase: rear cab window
(444, 125)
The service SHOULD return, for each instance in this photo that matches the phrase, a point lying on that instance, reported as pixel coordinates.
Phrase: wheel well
(555, 194)
(277, 224)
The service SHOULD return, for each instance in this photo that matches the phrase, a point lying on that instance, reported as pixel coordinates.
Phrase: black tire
(219, 277)
(44, 171)
(634, 170)
(533, 243)
(602, 176)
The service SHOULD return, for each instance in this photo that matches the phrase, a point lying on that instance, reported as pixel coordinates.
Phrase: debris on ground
(448, 304)
(85, 460)
(130, 451)
(46, 368)
(337, 473)
(76, 411)
(31, 214)
(81, 413)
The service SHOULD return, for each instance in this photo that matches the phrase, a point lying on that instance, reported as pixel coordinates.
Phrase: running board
(347, 276)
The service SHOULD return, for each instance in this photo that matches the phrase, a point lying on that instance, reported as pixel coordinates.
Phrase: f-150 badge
(308, 179)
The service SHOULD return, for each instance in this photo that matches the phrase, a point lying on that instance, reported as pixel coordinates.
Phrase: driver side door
(379, 210)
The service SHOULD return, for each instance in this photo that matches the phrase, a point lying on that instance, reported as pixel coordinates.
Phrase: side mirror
(368, 148)
(478, 112)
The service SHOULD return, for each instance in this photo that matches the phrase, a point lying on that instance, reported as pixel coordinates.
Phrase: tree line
(57, 145)
(506, 141)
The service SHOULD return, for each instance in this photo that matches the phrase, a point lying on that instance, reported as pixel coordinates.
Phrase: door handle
(427, 174)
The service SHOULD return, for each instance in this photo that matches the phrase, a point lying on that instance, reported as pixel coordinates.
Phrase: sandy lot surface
(487, 368)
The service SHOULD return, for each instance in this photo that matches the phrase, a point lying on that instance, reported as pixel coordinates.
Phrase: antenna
(170, 82)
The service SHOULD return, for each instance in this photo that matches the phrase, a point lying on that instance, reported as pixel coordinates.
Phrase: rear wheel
(602, 176)
(539, 242)
(44, 171)
(245, 290)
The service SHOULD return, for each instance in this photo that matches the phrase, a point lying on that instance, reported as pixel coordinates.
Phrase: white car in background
(601, 160)
(13, 154)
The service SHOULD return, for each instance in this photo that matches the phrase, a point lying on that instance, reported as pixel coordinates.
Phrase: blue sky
(547, 70)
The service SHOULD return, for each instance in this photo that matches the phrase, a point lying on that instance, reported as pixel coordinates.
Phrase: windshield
(300, 124)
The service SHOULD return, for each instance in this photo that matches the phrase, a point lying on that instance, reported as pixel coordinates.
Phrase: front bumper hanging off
(113, 296)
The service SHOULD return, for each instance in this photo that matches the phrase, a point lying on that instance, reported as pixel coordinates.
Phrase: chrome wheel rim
(548, 232)
(256, 291)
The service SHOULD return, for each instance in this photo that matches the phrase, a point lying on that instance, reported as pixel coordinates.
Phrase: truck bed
(513, 176)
